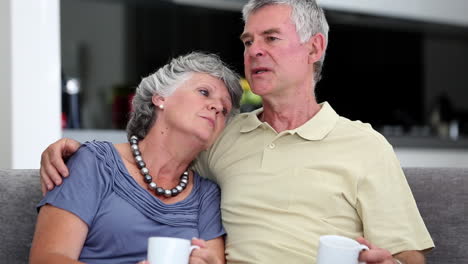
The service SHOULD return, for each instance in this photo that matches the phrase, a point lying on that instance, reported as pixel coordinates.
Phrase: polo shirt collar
(251, 122)
(317, 128)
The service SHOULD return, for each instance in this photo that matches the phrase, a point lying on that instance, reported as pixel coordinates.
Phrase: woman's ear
(316, 44)
(158, 100)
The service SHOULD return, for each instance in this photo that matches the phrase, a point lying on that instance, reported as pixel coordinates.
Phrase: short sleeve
(201, 165)
(80, 193)
(209, 223)
(388, 210)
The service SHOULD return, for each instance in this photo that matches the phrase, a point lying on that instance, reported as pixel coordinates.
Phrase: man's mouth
(260, 70)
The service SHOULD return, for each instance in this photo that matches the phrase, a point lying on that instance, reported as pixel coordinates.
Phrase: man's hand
(53, 167)
(376, 255)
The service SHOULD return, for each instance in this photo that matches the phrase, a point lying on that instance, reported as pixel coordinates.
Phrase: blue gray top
(121, 215)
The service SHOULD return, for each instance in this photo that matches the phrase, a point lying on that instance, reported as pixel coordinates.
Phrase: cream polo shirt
(280, 192)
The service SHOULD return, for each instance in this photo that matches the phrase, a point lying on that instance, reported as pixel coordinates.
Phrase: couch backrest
(442, 196)
(19, 193)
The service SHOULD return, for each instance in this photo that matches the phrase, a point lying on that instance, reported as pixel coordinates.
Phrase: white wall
(5, 83)
(449, 11)
(29, 80)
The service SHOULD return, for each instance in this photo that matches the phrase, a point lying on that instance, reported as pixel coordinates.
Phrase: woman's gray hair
(168, 78)
(308, 17)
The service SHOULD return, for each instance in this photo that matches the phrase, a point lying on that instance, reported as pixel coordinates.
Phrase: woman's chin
(208, 142)
(205, 140)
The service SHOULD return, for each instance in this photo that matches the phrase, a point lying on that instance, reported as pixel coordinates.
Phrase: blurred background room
(399, 65)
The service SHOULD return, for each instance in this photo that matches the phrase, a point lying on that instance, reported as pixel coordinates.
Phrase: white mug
(169, 250)
(338, 249)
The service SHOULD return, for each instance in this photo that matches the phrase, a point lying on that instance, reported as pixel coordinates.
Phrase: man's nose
(256, 49)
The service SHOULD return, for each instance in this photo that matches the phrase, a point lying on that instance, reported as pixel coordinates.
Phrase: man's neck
(291, 115)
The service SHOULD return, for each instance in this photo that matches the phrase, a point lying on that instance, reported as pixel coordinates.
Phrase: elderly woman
(125, 193)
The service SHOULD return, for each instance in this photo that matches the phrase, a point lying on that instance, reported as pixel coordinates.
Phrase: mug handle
(361, 248)
(192, 248)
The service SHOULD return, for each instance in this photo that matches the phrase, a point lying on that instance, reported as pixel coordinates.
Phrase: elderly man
(295, 170)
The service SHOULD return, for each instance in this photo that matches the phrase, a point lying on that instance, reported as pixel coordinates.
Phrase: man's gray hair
(168, 78)
(308, 17)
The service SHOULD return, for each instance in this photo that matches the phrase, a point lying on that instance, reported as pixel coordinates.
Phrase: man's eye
(271, 38)
(204, 92)
(247, 43)
(225, 111)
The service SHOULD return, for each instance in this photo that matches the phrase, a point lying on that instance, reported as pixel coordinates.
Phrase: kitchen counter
(428, 142)
(411, 151)
(119, 136)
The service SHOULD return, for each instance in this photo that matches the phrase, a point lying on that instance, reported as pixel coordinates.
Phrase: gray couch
(441, 195)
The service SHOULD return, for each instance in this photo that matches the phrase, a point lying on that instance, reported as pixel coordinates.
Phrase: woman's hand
(376, 255)
(210, 252)
(53, 167)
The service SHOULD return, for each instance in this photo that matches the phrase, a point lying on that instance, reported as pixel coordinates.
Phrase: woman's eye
(225, 111)
(204, 92)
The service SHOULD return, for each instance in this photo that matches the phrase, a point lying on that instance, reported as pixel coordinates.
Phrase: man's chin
(261, 90)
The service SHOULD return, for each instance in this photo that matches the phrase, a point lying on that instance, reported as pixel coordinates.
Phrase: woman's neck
(168, 156)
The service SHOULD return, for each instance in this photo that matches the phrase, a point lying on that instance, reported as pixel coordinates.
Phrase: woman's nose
(216, 106)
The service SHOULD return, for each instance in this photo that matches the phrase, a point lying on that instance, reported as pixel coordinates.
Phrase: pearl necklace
(149, 179)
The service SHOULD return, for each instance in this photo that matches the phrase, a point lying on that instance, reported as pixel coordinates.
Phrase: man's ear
(158, 100)
(316, 45)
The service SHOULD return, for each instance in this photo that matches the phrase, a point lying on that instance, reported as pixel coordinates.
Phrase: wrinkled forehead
(265, 6)
(272, 12)
(273, 17)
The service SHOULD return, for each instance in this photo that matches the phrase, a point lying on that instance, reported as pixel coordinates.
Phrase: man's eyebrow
(266, 32)
(271, 31)
(245, 35)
